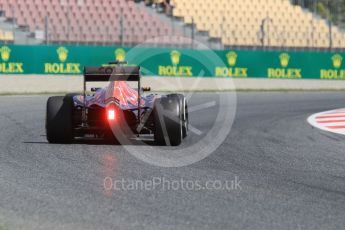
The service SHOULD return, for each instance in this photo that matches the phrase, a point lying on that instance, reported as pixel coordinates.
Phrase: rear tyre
(168, 121)
(184, 111)
(59, 119)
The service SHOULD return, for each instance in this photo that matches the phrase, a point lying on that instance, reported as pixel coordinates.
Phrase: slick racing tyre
(168, 119)
(59, 119)
(184, 110)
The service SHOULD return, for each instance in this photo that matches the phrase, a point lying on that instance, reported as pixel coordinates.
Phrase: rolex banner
(56, 60)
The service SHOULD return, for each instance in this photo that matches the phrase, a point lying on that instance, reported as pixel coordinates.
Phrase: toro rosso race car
(117, 112)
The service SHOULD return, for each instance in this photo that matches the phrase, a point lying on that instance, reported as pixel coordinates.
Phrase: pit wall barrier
(70, 60)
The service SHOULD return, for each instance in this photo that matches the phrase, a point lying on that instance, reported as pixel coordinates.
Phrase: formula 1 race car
(117, 112)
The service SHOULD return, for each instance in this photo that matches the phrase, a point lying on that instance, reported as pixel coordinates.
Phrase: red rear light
(111, 114)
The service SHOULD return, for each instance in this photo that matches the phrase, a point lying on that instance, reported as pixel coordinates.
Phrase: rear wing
(116, 72)
(112, 73)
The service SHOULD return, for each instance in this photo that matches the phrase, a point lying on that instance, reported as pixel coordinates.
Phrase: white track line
(331, 121)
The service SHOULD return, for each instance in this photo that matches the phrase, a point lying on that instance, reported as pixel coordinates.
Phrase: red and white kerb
(331, 121)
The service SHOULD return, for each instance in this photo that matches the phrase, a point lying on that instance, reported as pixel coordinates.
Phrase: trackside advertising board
(56, 59)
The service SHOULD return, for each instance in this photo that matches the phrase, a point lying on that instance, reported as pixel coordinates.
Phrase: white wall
(53, 84)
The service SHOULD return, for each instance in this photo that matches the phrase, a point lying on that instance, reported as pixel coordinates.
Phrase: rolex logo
(337, 60)
(120, 54)
(175, 57)
(284, 59)
(62, 53)
(5, 53)
(232, 58)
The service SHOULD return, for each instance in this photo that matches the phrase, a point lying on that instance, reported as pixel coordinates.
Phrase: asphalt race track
(289, 174)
